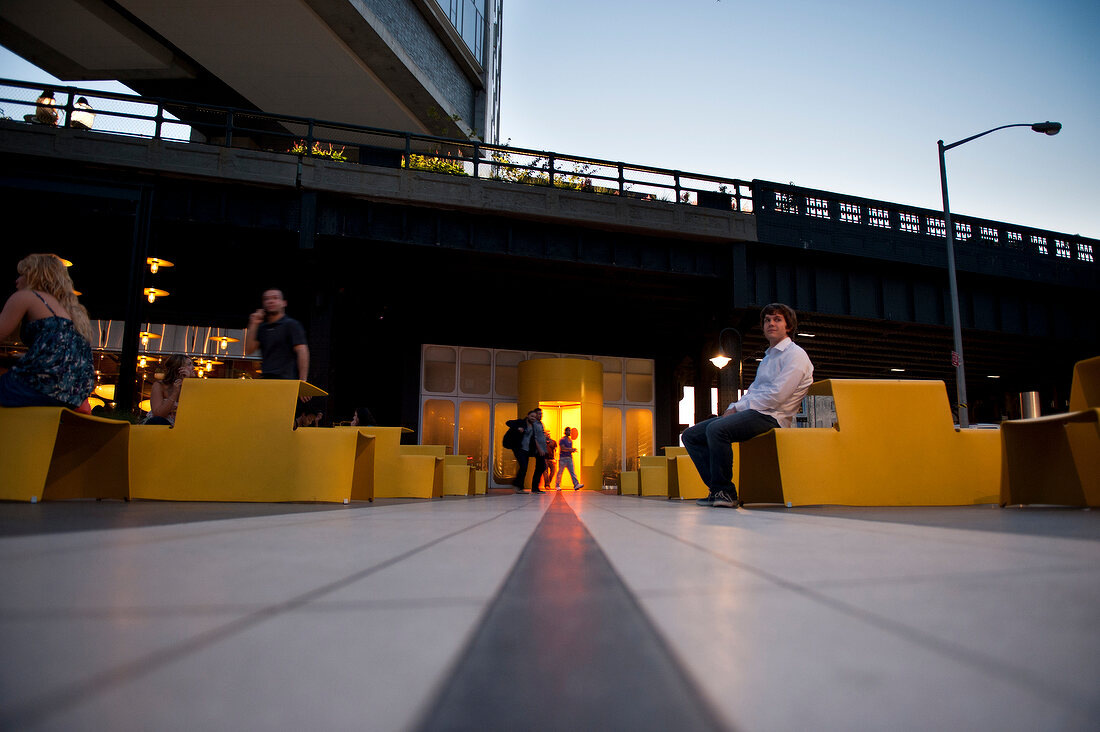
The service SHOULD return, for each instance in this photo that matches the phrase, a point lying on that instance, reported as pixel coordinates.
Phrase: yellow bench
(52, 453)
(457, 473)
(894, 444)
(234, 441)
(683, 479)
(1056, 459)
(653, 475)
(404, 471)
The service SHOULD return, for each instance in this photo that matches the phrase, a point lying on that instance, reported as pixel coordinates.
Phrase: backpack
(512, 439)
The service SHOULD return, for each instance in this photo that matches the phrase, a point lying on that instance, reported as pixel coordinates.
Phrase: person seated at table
(45, 110)
(57, 370)
(362, 417)
(165, 394)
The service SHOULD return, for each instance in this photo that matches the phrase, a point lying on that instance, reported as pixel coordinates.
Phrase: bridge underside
(373, 280)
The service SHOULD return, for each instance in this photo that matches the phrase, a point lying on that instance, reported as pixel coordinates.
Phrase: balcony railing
(342, 142)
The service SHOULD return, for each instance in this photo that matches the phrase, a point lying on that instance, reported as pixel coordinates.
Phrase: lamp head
(1047, 128)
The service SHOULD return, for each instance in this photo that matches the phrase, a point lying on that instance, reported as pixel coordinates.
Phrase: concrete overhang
(324, 59)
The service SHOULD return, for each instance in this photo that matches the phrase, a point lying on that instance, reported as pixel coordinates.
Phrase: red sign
(954, 359)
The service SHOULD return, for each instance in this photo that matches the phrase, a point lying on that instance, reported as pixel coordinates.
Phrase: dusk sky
(849, 97)
(846, 96)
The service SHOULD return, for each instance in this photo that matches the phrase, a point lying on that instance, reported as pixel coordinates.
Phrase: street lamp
(724, 357)
(1047, 128)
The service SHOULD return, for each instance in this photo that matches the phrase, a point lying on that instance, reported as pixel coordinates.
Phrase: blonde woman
(57, 369)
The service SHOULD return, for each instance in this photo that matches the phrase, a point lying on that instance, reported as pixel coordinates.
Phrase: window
(1014, 240)
(1084, 252)
(936, 227)
(989, 235)
(879, 217)
(474, 435)
(507, 374)
(612, 379)
(474, 371)
(785, 203)
(439, 369)
(962, 231)
(909, 223)
(850, 213)
(639, 436)
(639, 381)
(439, 423)
(1040, 244)
(817, 207)
(1061, 249)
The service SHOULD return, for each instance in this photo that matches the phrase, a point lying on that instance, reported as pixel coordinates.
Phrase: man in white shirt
(772, 400)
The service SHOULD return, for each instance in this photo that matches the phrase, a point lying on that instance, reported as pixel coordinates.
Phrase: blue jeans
(709, 444)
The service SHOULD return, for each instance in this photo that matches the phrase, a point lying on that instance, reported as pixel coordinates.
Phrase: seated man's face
(775, 327)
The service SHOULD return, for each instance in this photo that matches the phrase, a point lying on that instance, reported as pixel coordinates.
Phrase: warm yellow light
(145, 336)
(153, 293)
(145, 405)
(223, 341)
(106, 391)
(64, 261)
(96, 402)
(156, 263)
(721, 361)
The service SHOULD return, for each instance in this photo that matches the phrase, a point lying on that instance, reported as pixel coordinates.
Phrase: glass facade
(467, 395)
(468, 18)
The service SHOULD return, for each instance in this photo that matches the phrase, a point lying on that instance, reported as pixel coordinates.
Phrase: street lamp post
(722, 359)
(1047, 128)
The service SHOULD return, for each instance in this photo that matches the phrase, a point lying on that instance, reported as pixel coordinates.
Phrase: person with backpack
(519, 438)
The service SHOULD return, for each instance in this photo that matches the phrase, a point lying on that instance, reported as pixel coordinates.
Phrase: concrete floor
(564, 611)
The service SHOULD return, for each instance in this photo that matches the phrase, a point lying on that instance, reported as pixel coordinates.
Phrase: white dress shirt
(782, 379)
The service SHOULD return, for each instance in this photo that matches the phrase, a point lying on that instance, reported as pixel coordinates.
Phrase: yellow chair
(683, 479)
(234, 441)
(404, 471)
(628, 483)
(480, 481)
(52, 453)
(895, 444)
(1056, 459)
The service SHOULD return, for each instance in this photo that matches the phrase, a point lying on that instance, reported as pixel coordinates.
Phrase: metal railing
(814, 207)
(343, 142)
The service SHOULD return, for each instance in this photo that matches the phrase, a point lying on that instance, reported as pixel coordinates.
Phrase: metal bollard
(1029, 404)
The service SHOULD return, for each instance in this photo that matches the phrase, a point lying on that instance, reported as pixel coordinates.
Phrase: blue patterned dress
(58, 362)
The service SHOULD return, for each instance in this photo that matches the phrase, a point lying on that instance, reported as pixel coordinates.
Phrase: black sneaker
(578, 486)
(708, 501)
(724, 499)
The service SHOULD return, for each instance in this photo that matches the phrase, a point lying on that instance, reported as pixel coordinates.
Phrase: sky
(848, 96)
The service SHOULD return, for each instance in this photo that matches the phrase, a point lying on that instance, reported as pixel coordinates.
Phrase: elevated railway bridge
(386, 241)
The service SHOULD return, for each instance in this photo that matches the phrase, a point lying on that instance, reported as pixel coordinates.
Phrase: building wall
(419, 40)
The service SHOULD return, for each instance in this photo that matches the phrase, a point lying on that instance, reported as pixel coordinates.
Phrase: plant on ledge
(331, 152)
(434, 164)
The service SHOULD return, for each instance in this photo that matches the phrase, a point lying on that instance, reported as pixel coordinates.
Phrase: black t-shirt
(277, 341)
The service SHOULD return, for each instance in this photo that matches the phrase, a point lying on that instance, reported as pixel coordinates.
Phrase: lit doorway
(556, 416)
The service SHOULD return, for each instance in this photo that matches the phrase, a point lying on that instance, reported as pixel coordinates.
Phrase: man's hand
(256, 318)
(729, 411)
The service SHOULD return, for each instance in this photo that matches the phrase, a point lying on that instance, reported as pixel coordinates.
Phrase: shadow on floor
(51, 517)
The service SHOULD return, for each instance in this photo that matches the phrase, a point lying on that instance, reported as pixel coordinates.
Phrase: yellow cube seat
(894, 444)
(52, 453)
(1056, 459)
(404, 471)
(234, 440)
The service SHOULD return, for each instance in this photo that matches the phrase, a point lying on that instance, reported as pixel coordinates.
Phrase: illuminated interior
(556, 416)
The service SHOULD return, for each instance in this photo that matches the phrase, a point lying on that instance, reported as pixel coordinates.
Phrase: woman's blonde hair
(47, 272)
